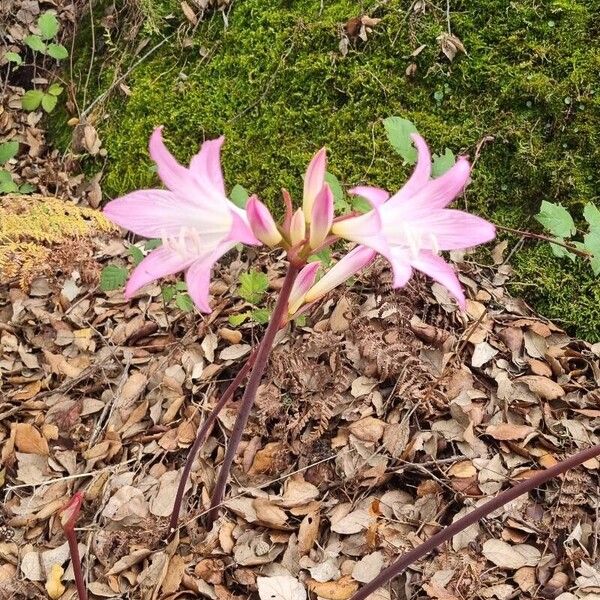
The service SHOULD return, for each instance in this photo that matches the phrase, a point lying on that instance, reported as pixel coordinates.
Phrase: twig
(545, 238)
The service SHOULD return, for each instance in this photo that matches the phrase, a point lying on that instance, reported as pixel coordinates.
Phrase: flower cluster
(198, 224)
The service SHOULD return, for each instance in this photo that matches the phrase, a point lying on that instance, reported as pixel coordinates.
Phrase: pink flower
(322, 217)
(262, 223)
(411, 227)
(313, 182)
(303, 283)
(196, 221)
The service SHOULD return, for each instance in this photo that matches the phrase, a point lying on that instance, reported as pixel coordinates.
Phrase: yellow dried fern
(40, 235)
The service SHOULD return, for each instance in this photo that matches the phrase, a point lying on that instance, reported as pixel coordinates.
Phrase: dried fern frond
(42, 235)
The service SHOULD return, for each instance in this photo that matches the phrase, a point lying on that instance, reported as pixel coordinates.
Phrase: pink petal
(152, 213)
(322, 217)
(313, 181)
(439, 192)
(240, 230)
(374, 195)
(365, 229)
(197, 279)
(159, 263)
(452, 229)
(303, 283)
(345, 268)
(206, 165)
(401, 269)
(421, 174)
(297, 227)
(439, 270)
(262, 223)
(172, 174)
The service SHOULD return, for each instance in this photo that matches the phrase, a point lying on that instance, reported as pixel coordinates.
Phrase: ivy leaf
(14, 57)
(35, 43)
(592, 215)
(136, 255)
(48, 25)
(32, 99)
(239, 196)
(112, 277)
(556, 219)
(261, 315)
(442, 162)
(49, 102)
(237, 320)
(57, 51)
(253, 286)
(398, 132)
(184, 302)
(340, 203)
(592, 245)
(8, 150)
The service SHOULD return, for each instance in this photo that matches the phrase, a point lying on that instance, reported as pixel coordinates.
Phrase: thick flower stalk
(68, 518)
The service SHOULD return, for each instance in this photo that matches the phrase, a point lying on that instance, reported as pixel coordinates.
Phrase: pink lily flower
(262, 223)
(411, 227)
(322, 217)
(196, 221)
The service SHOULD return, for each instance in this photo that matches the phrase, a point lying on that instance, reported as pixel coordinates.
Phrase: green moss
(275, 83)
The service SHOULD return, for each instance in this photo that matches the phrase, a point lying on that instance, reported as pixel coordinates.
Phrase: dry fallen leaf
(29, 440)
(54, 585)
(281, 587)
(510, 557)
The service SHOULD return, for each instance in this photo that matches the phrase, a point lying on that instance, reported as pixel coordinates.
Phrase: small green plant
(557, 220)
(252, 289)
(9, 150)
(49, 27)
(113, 277)
(15, 58)
(44, 43)
(32, 99)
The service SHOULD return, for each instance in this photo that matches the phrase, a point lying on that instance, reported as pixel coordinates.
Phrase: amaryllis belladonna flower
(411, 227)
(194, 218)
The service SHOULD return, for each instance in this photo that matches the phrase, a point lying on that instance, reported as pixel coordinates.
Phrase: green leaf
(340, 203)
(152, 244)
(237, 320)
(14, 57)
(49, 102)
(592, 245)
(136, 255)
(324, 256)
(360, 204)
(32, 99)
(181, 286)
(556, 219)
(592, 215)
(55, 89)
(239, 196)
(184, 302)
(26, 188)
(561, 251)
(442, 162)
(8, 150)
(168, 293)
(35, 43)
(398, 132)
(253, 286)
(7, 185)
(57, 51)
(5, 176)
(260, 315)
(301, 320)
(48, 25)
(112, 277)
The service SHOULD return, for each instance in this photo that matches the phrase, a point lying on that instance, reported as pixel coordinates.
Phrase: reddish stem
(68, 519)
(203, 433)
(262, 357)
(446, 534)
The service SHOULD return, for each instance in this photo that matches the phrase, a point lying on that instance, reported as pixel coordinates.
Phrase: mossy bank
(276, 84)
